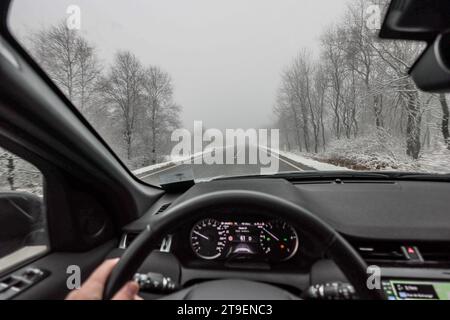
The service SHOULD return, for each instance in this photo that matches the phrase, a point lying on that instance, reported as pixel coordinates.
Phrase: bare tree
(18, 175)
(362, 57)
(122, 87)
(397, 58)
(131, 106)
(161, 111)
(69, 60)
(358, 82)
(288, 113)
(334, 60)
(9, 170)
(89, 74)
(320, 89)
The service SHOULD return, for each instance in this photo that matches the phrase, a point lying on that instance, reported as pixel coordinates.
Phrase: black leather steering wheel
(343, 254)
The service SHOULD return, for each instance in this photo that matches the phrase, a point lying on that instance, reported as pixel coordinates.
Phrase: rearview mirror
(432, 71)
(420, 20)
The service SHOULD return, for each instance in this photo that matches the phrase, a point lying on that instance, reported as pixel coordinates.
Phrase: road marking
(285, 161)
(288, 163)
(162, 170)
(225, 148)
(175, 165)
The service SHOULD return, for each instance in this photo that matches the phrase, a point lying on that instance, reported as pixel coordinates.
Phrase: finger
(128, 292)
(97, 280)
(102, 272)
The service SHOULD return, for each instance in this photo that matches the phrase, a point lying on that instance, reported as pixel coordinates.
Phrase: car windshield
(215, 88)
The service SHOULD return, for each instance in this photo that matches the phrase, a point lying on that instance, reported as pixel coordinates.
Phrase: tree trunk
(154, 133)
(445, 120)
(322, 125)
(128, 142)
(313, 118)
(297, 129)
(286, 136)
(413, 144)
(11, 167)
(378, 109)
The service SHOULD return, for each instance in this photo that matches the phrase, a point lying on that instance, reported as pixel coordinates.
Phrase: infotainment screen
(416, 290)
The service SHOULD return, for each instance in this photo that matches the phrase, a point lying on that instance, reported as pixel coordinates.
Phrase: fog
(225, 57)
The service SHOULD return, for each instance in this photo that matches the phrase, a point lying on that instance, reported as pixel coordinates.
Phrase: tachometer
(208, 239)
(279, 240)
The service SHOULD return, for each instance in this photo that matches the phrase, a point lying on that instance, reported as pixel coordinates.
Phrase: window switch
(3, 287)
(32, 274)
(20, 281)
(7, 283)
(9, 293)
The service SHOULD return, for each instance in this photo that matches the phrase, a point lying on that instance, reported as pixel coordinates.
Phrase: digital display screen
(273, 240)
(416, 290)
(243, 232)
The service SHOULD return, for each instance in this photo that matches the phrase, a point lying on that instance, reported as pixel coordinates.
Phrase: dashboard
(261, 240)
(383, 221)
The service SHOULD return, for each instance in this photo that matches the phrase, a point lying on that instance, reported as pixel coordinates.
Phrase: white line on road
(175, 165)
(226, 147)
(287, 162)
(162, 170)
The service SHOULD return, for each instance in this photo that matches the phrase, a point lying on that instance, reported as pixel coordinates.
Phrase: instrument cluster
(273, 240)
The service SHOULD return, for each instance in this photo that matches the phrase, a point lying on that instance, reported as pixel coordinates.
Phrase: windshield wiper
(422, 176)
(348, 175)
(331, 175)
(315, 175)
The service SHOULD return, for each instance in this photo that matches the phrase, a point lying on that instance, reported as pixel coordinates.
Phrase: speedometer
(279, 240)
(208, 239)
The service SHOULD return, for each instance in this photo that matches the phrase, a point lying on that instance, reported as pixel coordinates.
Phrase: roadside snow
(174, 160)
(152, 167)
(380, 151)
(436, 161)
(317, 165)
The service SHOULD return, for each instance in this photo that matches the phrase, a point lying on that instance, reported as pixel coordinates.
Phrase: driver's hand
(92, 288)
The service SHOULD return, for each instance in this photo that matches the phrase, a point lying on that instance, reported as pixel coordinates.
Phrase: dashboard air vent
(163, 208)
(381, 253)
(391, 253)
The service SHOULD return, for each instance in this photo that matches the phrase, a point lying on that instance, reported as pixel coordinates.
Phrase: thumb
(128, 291)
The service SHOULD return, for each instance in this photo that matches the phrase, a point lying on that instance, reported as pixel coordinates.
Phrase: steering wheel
(342, 253)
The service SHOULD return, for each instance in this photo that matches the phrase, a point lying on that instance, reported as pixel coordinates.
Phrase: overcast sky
(225, 56)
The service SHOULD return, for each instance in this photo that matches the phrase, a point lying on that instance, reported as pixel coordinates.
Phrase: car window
(23, 231)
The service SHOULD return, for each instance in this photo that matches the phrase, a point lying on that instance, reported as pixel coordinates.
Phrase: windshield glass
(215, 88)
